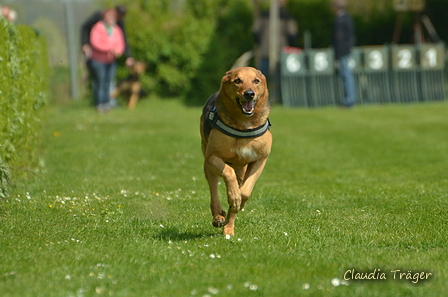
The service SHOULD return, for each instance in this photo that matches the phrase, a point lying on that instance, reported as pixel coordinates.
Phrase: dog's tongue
(248, 106)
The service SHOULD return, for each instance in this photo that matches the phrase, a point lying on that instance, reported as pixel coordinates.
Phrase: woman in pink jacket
(107, 42)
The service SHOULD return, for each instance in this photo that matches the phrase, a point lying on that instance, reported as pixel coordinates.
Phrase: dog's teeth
(248, 106)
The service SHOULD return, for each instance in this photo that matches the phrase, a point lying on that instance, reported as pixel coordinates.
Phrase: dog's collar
(249, 133)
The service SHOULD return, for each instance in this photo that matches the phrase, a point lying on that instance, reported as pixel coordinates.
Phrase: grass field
(123, 207)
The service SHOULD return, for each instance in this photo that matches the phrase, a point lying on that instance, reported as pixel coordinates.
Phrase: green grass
(123, 207)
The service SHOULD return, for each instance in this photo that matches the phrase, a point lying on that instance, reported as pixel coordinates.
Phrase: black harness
(212, 120)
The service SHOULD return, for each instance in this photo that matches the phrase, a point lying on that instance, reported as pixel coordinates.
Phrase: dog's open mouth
(247, 106)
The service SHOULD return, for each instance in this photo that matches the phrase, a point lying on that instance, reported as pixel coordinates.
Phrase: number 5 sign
(321, 61)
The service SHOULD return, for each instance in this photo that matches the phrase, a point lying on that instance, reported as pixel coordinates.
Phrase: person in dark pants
(86, 48)
(343, 41)
(107, 43)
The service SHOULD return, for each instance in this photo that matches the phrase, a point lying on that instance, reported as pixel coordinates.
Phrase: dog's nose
(249, 95)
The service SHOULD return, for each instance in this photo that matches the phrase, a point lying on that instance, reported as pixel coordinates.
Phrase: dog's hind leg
(219, 215)
(133, 99)
(114, 94)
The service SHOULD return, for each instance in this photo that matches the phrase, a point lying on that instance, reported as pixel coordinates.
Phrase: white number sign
(404, 58)
(321, 61)
(293, 63)
(375, 60)
(430, 58)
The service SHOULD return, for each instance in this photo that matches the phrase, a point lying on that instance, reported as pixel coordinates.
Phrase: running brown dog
(236, 140)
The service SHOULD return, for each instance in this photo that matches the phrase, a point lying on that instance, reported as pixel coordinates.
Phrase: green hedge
(23, 92)
(189, 45)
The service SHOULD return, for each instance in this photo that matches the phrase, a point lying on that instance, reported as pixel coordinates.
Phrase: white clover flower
(253, 287)
(306, 286)
(336, 282)
(213, 290)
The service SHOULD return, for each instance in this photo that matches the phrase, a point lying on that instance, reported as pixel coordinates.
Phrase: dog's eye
(256, 81)
(237, 81)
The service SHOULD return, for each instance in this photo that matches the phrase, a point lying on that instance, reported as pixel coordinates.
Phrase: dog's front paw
(220, 220)
(228, 231)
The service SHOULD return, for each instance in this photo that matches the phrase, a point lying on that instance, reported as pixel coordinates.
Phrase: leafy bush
(187, 44)
(23, 92)
(231, 38)
(170, 40)
(315, 17)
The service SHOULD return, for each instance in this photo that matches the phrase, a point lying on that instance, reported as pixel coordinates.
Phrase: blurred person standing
(343, 41)
(107, 43)
(8, 13)
(87, 26)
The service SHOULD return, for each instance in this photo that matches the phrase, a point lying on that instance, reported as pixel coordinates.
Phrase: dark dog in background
(131, 85)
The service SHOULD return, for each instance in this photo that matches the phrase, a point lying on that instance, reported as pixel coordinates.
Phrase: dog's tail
(243, 60)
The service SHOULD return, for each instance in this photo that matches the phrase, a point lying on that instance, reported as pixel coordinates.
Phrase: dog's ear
(263, 78)
(261, 75)
(226, 77)
(265, 92)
